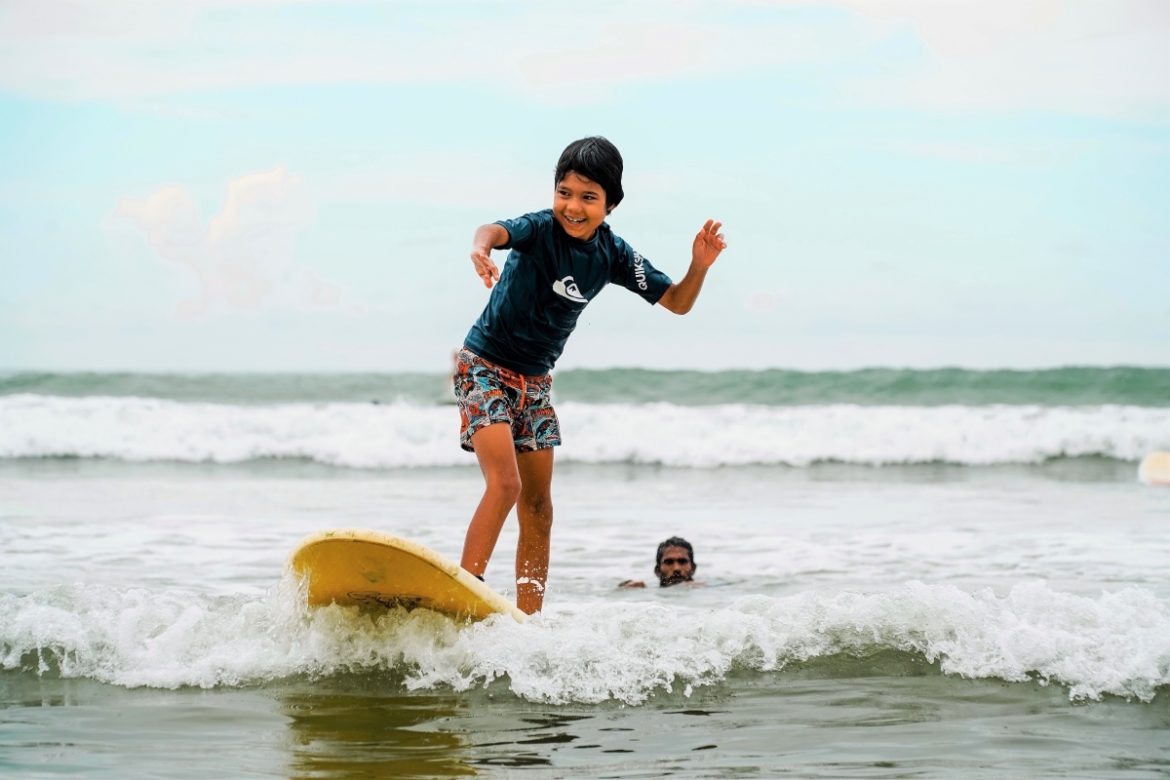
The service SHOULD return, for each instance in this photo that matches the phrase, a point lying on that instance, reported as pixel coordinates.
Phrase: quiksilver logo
(567, 288)
(640, 271)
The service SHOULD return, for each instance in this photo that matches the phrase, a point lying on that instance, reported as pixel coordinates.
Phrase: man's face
(676, 567)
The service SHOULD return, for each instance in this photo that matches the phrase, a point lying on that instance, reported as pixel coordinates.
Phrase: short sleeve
(637, 274)
(523, 230)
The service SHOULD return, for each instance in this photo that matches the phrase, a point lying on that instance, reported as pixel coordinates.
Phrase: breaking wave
(407, 435)
(1116, 643)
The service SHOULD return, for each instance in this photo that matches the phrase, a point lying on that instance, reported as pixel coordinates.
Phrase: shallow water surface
(878, 717)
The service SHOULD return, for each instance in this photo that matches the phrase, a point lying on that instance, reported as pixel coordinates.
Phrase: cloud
(245, 256)
(1102, 59)
(1099, 58)
(128, 49)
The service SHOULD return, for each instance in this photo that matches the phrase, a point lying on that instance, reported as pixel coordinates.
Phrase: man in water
(674, 563)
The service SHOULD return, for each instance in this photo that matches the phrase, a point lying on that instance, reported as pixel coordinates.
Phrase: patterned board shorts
(487, 394)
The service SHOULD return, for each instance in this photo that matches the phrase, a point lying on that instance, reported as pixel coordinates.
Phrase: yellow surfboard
(366, 568)
(1155, 469)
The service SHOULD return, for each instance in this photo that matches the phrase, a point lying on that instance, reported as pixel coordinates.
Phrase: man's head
(588, 185)
(675, 562)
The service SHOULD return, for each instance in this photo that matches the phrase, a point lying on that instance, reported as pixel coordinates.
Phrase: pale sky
(277, 185)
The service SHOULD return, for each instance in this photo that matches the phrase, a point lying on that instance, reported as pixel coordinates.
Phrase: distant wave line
(406, 435)
(1071, 386)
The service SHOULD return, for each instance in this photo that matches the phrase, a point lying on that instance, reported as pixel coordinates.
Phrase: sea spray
(1116, 643)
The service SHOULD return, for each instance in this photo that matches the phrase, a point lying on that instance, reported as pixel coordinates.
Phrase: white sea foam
(1115, 643)
(402, 434)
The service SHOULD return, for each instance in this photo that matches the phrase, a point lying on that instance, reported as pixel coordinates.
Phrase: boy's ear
(609, 209)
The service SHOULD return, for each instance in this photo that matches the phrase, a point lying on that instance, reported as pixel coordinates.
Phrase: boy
(560, 259)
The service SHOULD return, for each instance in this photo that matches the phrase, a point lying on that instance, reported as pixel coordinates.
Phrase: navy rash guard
(546, 282)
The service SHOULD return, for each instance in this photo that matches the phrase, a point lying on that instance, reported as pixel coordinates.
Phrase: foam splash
(1117, 643)
(402, 434)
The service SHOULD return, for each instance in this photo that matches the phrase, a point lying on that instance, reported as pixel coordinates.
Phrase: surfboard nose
(1155, 469)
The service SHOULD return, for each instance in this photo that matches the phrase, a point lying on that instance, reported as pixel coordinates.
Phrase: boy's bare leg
(497, 460)
(535, 513)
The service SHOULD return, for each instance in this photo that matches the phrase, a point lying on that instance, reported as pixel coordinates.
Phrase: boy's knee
(506, 484)
(538, 507)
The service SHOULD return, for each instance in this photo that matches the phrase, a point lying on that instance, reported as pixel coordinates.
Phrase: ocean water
(903, 574)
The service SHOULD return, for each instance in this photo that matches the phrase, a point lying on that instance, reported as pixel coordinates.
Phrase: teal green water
(1072, 386)
(881, 717)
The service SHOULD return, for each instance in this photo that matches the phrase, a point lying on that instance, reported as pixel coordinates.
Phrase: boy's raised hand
(708, 244)
(680, 296)
(484, 266)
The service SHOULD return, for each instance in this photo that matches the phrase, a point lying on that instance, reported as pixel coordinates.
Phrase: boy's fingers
(713, 230)
(485, 268)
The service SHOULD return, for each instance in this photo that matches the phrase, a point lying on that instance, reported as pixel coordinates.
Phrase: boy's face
(579, 205)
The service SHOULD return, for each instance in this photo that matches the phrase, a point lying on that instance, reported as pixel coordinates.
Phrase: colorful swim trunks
(489, 394)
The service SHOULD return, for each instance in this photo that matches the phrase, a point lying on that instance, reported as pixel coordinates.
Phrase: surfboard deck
(355, 567)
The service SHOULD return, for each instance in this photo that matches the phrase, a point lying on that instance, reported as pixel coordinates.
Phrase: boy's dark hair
(674, 541)
(598, 160)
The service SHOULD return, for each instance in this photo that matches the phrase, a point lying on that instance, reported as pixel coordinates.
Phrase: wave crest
(404, 435)
(1117, 643)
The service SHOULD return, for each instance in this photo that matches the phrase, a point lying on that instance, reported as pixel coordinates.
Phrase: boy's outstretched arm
(680, 296)
(487, 238)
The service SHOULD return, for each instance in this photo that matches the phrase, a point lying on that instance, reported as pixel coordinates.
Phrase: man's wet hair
(598, 160)
(675, 541)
